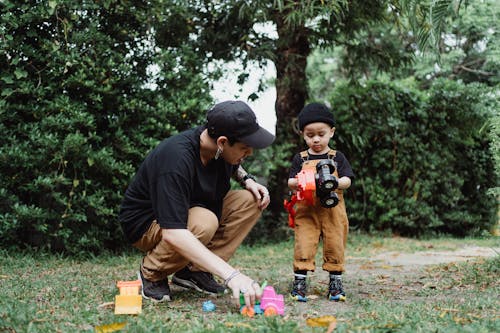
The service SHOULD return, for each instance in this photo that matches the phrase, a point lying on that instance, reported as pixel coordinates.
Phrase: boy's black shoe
(158, 291)
(336, 291)
(299, 290)
(200, 281)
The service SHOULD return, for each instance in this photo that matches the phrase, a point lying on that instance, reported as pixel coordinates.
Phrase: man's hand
(260, 193)
(249, 288)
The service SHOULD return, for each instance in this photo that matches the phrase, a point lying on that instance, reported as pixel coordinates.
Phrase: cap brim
(259, 139)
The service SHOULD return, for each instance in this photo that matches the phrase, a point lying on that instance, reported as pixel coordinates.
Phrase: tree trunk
(291, 90)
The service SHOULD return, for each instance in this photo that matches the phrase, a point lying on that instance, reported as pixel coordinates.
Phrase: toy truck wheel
(330, 200)
(326, 163)
(247, 311)
(270, 311)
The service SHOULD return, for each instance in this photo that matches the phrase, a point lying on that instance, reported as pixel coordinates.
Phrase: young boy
(313, 222)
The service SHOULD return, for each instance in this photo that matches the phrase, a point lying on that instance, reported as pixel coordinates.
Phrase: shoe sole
(190, 285)
(338, 298)
(165, 298)
(299, 298)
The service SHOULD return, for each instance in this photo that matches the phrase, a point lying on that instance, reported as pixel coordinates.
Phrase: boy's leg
(334, 234)
(335, 289)
(334, 242)
(307, 233)
(299, 287)
(240, 213)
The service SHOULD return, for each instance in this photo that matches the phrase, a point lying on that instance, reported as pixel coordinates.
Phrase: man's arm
(239, 175)
(186, 244)
(259, 191)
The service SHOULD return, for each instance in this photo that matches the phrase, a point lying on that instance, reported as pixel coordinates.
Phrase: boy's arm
(293, 183)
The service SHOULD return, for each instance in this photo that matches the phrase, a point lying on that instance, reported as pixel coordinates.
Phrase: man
(180, 211)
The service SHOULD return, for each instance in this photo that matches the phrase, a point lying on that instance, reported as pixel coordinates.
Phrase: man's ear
(221, 140)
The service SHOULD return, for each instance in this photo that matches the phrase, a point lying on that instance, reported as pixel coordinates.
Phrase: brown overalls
(315, 222)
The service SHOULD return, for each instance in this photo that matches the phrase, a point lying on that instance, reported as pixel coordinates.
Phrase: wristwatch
(245, 177)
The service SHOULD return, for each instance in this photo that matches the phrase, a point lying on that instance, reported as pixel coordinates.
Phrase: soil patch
(394, 276)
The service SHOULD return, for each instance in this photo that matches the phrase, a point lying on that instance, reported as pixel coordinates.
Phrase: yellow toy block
(129, 301)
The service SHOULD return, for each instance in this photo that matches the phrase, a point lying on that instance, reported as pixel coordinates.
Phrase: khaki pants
(315, 222)
(240, 213)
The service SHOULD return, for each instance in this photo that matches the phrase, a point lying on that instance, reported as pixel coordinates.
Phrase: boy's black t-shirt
(171, 180)
(343, 165)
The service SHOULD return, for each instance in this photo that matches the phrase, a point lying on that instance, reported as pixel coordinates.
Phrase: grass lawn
(41, 292)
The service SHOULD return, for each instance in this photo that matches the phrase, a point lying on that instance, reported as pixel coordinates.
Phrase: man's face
(236, 153)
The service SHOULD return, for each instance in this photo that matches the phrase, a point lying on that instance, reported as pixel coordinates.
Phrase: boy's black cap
(235, 119)
(314, 113)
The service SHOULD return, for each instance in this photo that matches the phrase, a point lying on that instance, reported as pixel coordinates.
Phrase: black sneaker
(299, 290)
(200, 281)
(336, 291)
(158, 291)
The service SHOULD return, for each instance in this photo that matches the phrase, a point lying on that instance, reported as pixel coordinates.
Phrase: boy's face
(317, 136)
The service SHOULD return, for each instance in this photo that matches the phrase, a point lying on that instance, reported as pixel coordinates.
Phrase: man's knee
(241, 199)
(203, 223)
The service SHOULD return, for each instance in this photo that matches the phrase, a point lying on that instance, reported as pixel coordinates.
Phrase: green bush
(79, 109)
(421, 159)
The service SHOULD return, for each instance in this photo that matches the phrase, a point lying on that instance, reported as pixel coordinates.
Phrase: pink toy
(272, 303)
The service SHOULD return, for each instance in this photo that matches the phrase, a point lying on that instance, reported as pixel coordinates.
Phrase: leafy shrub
(79, 110)
(421, 159)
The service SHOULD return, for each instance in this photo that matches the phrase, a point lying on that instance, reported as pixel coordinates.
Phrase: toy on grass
(208, 306)
(129, 301)
(311, 181)
(271, 304)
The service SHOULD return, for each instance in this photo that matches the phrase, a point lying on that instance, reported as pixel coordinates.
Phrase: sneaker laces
(299, 286)
(335, 286)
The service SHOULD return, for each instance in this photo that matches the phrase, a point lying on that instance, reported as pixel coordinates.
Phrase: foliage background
(79, 109)
(87, 88)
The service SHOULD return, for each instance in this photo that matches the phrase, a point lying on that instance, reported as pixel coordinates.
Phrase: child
(316, 124)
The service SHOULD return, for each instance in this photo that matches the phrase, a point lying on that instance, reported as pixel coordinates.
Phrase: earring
(217, 153)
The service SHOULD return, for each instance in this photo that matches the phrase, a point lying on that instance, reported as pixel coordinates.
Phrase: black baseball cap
(236, 120)
(315, 113)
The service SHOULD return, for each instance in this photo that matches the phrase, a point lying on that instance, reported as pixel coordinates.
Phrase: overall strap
(305, 155)
(331, 154)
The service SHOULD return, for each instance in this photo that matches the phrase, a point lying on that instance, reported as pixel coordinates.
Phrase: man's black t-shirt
(171, 180)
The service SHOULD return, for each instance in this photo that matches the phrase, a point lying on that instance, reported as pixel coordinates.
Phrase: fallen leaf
(110, 327)
(429, 285)
(230, 324)
(322, 321)
(331, 327)
(106, 305)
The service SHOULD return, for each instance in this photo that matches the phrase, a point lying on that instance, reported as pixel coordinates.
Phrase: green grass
(49, 293)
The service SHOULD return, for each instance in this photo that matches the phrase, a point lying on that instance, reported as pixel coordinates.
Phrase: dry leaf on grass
(106, 305)
(230, 325)
(322, 321)
(110, 327)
